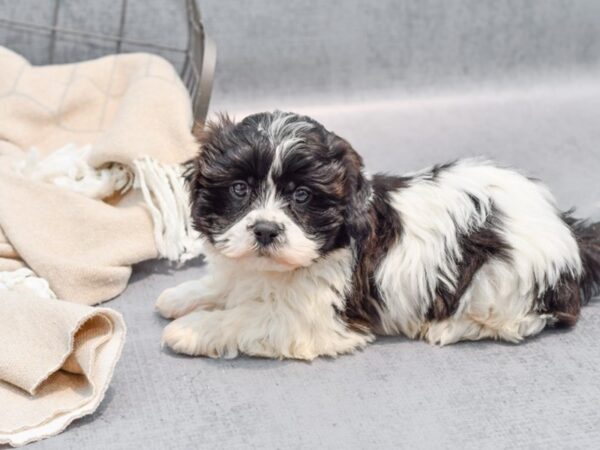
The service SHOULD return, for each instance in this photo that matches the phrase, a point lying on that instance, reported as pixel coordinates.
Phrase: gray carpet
(409, 83)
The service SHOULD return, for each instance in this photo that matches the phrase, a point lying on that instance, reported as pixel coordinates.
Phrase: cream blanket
(89, 185)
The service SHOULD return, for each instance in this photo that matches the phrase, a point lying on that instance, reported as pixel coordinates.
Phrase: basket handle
(207, 75)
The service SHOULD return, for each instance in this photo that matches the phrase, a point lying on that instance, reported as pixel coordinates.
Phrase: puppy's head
(277, 190)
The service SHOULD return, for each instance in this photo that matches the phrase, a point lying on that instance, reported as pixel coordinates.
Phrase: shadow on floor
(161, 267)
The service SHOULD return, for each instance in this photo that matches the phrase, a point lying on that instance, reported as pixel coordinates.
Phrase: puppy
(310, 256)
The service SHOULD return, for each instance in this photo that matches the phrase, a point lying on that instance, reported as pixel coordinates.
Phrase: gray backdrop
(409, 83)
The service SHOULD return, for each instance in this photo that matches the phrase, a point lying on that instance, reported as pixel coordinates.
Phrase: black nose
(266, 232)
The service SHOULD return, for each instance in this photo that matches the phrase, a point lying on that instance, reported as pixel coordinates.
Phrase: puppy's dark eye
(239, 189)
(301, 195)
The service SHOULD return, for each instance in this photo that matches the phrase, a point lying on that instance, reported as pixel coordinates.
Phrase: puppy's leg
(469, 328)
(213, 333)
(254, 329)
(186, 297)
(452, 330)
(529, 325)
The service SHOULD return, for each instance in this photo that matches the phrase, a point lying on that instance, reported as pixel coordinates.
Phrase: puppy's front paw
(182, 338)
(176, 302)
(198, 334)
(168, 304)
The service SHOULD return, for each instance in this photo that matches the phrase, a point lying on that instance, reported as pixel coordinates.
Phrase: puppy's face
(277, 190)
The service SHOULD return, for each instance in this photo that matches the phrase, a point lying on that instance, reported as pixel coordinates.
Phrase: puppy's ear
(210, 138)
(357, 213)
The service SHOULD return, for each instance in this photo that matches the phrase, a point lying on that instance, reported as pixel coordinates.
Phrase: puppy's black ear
(358, 188)
(209, 137)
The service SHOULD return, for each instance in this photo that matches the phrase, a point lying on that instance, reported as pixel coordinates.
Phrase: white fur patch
(288, 315)
(284, 134)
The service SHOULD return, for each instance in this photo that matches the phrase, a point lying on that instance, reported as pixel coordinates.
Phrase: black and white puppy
(310, 256)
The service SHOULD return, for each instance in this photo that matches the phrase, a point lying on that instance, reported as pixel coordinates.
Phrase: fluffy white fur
(271, 314)
(290, 313)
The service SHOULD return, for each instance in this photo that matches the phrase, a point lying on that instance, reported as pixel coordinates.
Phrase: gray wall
(340, 48)
(349, 47)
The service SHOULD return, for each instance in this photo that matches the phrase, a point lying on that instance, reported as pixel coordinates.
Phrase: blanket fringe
(161, 185)
(167, 198)
(25, 278)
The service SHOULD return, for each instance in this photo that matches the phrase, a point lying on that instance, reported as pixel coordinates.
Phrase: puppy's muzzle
(266, 232)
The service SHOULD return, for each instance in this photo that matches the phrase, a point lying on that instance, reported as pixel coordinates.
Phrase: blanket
(90, 183)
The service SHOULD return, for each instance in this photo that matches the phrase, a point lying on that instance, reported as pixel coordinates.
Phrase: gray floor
(409, 83)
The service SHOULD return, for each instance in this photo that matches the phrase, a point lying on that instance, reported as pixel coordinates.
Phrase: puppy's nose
(266, 232)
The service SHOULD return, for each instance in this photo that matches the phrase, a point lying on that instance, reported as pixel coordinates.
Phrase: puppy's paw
(182, 338)
(197, 334)
(441, 333)
(168, 304)
(175, 302)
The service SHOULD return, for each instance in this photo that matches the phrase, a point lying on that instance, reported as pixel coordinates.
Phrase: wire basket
(195, 61)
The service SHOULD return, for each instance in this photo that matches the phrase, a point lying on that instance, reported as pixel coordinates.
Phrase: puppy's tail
(588, 238)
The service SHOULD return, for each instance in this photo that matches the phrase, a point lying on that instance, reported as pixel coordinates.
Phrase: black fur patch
(229, 152)
(564, 300)
(476, 249)
(331, 170)
(364, 302)
(434, 172)
(588, 239)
